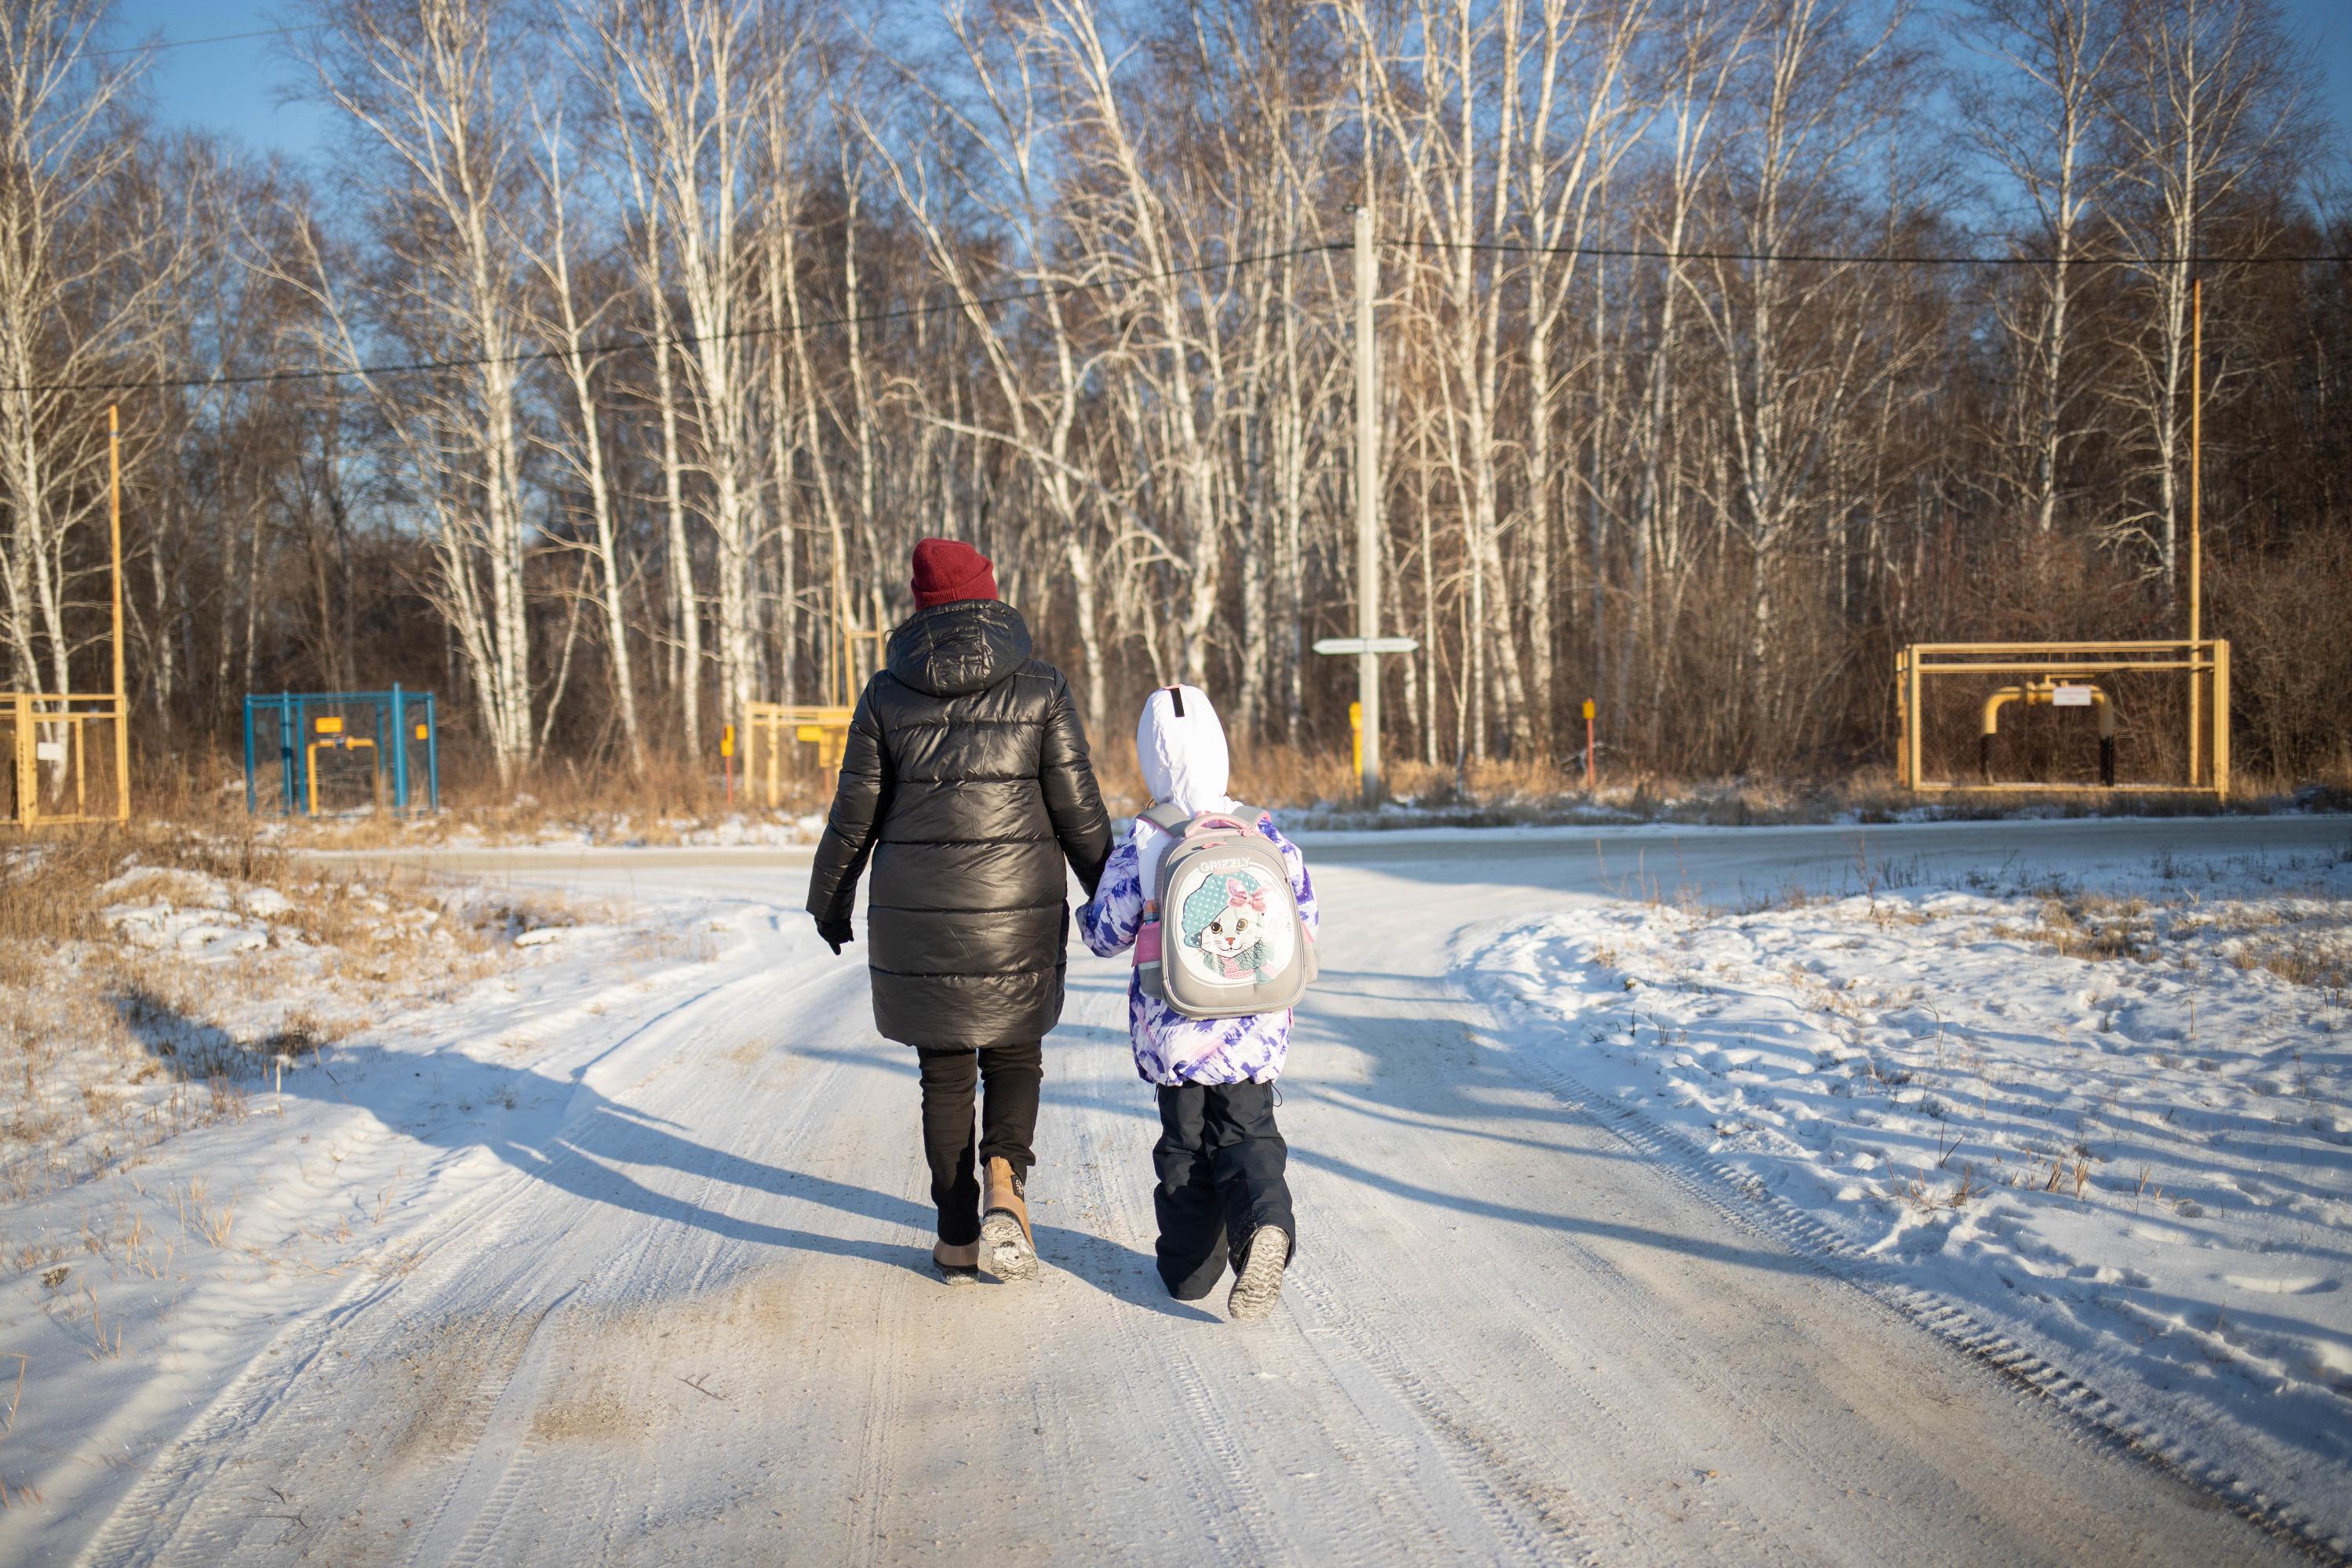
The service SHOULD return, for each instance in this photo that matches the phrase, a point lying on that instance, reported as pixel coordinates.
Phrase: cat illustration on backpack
(1224, 917)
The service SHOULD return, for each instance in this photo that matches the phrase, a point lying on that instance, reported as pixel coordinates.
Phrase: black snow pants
(1220, 1159)
(1008, 1122)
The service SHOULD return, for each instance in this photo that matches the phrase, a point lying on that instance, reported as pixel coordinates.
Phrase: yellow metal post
(1903, 717)
(2221, 718)
(28, 775)
(1913, 722)
(122, 700)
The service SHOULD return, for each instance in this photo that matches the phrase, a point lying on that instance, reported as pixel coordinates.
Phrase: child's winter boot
(958, 1265)
(1257, 1284)
(1005, 1235)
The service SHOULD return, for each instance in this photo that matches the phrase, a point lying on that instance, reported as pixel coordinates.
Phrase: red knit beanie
(948, 570)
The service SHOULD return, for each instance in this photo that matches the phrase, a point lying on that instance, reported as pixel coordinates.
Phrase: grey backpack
(1223, 938)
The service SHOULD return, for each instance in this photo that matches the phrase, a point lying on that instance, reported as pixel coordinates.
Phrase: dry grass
(2305, 942)
(2092, 926)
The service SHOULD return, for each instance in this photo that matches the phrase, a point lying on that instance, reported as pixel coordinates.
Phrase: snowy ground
(185, 1165)
(2110, 1112)
(615, 1252)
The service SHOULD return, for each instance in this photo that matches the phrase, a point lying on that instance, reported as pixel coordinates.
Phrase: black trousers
(1008, 1121)
(1220, 1159)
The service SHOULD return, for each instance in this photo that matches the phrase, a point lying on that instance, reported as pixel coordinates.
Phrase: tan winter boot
(1257, 1282)
(1004, 1237)
(957, 1265)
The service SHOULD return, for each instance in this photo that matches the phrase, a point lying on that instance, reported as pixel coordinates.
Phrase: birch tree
(2204, 99)
(2039, 126)
(574, 325)
(428, 85)
(687, 78)
(90, 254)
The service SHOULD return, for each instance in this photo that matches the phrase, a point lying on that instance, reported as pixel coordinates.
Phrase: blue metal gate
(288, 731)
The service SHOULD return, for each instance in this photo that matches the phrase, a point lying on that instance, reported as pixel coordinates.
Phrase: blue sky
(235, 87)
(227, 86)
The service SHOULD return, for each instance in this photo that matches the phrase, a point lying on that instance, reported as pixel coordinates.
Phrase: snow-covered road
(688, 1316)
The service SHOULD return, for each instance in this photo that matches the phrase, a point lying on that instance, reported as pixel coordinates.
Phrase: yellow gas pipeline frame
(768, 727)
(46, 730)
(2062, 674)
(52, 729)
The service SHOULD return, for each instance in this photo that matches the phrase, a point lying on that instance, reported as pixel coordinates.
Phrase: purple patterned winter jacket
(1212, 1051)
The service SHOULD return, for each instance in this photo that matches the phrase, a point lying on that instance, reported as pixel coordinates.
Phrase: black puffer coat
(966, 779)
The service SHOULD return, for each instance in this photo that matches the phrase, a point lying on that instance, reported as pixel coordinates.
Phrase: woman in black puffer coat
(967, 783)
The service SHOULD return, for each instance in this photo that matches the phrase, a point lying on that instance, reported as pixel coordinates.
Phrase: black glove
(836, 933)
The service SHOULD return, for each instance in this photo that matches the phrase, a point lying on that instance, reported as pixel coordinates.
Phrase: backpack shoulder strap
(1167, 818)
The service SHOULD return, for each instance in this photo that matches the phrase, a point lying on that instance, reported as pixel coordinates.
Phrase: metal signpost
(1368, 644)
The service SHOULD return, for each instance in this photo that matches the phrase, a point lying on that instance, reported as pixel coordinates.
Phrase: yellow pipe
(337, 743)
(2036, 694)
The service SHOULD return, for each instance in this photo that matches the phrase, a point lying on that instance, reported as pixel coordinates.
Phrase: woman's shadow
(576, 1139)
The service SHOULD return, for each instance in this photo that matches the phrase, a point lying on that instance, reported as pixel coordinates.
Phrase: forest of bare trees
(601, 372)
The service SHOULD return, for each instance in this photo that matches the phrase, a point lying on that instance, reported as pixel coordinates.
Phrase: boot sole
(957, 1276)
(1004, 1249)
(1258, 1287)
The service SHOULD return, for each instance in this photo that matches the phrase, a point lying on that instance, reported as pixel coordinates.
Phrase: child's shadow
(1118, 1271)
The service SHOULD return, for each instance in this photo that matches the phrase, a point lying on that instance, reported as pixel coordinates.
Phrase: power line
(910, 312)
(187, 43)
(631, 345)
(1637, 254)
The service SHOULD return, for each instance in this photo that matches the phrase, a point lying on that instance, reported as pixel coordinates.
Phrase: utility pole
(1367, 644)
(2196, 499)
(1367, 479)
(121, 694)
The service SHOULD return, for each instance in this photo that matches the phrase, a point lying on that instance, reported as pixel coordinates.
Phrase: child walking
(1220, 1157)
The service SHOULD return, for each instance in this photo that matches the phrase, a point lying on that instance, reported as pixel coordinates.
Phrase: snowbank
(2115, 1117)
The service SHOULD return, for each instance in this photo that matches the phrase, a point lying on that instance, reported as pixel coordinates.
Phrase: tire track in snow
(185, 1503)
(1615, 1442)
(1248, 1388)
(878, 1447)
(658, 1254)
(1483, 1461)
(1231, 1509)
